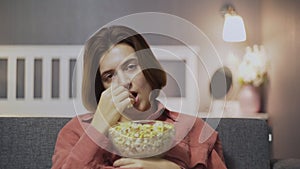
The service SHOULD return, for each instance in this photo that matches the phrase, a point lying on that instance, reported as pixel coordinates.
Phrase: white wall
(281, 37)
(63, 22)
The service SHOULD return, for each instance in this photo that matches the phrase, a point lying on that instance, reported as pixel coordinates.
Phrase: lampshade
(234, 28)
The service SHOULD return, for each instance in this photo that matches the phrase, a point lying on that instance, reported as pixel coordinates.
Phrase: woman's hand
(112, 103)
(147, 163)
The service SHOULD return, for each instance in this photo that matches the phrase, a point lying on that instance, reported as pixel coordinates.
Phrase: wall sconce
(234, 28)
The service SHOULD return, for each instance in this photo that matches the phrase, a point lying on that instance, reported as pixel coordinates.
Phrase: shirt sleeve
(75, 146)
(205, 147)
(199, 149)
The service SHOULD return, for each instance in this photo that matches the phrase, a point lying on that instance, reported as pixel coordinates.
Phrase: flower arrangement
(253, 68)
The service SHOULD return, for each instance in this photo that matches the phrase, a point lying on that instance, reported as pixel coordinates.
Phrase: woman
(121, 81)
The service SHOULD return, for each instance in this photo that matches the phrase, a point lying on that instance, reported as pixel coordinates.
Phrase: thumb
(122, 162)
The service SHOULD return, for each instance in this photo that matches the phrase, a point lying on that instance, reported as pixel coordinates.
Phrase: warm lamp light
(234, 28)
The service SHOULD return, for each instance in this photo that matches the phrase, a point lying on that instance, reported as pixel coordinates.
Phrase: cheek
(106, 85)
(141, 82)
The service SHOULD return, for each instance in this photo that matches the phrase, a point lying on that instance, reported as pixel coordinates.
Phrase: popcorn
(139, 139)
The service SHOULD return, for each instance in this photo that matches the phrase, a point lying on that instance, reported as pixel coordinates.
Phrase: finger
(130, 166)
(119, 90)
(122, 105)
(108, 91)
(114, 83)
(122, 96)
(123, 162)
(112, 94)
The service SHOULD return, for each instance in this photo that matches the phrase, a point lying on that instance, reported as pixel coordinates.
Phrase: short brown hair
(102, 41)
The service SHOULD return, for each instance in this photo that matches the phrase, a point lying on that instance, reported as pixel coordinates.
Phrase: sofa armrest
(287, 164)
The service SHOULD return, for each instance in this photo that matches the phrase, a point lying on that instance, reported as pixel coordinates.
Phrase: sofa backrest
(29, 142)
(245, 142)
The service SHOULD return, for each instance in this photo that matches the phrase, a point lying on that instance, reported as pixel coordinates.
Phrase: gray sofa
(28, 142)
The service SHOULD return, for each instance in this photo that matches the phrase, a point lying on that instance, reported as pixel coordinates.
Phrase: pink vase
(249, 99)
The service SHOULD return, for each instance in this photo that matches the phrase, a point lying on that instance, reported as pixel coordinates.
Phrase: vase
(249, 99)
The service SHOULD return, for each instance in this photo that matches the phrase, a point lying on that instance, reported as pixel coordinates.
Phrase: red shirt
(80, 145)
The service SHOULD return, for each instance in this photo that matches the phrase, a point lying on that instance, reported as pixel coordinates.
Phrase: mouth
(134, 97)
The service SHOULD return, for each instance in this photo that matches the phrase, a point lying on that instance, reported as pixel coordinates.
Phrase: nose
(123, 80)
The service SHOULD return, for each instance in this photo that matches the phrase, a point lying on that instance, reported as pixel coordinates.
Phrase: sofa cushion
(245, 142)
(28, 142)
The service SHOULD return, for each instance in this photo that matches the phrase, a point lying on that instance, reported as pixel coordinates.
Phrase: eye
(131, 67)
(107, 77)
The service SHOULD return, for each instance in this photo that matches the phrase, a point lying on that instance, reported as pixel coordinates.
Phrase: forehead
(115, 56)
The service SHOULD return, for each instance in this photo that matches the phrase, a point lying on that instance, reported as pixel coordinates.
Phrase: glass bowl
(143, 138)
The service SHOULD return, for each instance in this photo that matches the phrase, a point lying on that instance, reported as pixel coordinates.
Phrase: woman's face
(120, 65)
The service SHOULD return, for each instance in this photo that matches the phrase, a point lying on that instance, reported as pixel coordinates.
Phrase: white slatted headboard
(49, 101)
(23, 66)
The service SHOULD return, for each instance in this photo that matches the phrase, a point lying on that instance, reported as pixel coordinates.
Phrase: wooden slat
(11, 78)
(79, 69)
(64, 78)
(46, 76)
(29, 77)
